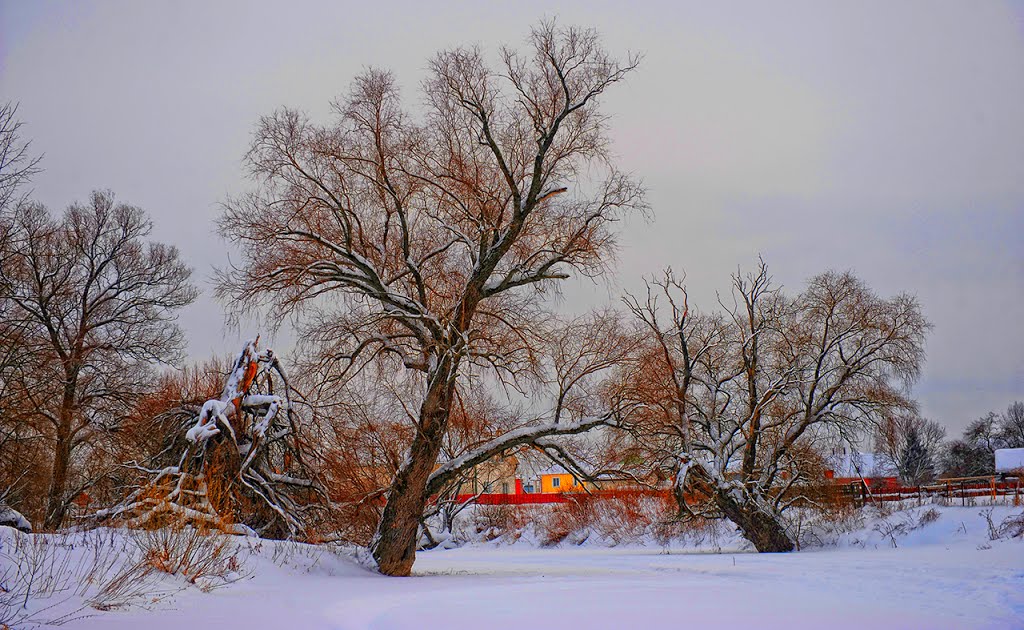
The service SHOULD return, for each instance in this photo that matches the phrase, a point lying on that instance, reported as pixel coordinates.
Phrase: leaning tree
(739, 402)
(428, 240)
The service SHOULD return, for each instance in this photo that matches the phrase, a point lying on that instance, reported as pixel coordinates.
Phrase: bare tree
(572, 388)
(1011, 426)
(429, 242)
(19, 442)
(17, 164)
(95, 303)
(740, 401)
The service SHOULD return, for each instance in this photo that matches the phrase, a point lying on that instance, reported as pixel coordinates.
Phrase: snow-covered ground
(941, 574)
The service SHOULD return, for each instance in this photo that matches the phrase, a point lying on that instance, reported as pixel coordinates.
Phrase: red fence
(513, 499)
(535, 498)
(857, 492)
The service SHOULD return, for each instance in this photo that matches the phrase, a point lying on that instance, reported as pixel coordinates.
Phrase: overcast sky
(886, 138)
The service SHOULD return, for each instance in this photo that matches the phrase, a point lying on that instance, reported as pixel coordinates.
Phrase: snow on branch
(517, 437)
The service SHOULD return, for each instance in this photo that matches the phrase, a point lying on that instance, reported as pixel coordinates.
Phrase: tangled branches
(241, 468)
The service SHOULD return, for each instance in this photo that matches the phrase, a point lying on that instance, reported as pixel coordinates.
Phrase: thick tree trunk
(762, 529)
(394, 546)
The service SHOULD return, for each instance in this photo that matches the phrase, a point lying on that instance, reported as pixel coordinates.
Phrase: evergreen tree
(915, 465)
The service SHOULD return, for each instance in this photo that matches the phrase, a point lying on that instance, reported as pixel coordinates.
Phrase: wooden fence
(963, 488)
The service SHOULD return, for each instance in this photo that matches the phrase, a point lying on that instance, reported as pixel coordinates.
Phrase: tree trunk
(762, 529)
(56, 505)
(394, 545)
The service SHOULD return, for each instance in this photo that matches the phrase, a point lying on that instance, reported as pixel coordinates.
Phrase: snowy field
(944, 574)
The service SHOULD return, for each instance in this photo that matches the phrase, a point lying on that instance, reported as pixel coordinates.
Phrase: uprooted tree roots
(241, 469)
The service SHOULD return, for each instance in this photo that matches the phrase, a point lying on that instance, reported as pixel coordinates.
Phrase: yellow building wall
(566, 483)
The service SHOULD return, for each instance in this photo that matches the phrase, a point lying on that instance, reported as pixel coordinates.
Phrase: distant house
(497, 476)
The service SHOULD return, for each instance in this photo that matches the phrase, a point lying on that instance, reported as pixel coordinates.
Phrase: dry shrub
(55, 579)
(497, 521)
(574, 517)
(611, 520)
(1011, 527)
(622, 520)
(631, 516)
(903, 522)
(208, 559)
(615, 520)
(928, 516)
(351, 521)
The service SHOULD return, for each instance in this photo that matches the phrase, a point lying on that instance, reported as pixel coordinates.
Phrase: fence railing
(963, 488)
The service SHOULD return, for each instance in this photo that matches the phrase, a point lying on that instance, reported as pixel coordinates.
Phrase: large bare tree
(95, 304)
(430, 240)
(741, 401)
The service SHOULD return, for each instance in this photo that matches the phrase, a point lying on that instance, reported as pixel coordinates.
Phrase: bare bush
(209, 560)
(613, 521)
(52, 580)
(1011, 527)
(897, 522)
(928, 517)
(495, 521)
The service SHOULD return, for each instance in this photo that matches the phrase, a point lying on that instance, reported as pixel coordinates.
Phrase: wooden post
(992, 483)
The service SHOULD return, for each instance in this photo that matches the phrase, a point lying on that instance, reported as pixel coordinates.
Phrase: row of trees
(915, 449)
(87, 308)
(417, 253)
(974, 453)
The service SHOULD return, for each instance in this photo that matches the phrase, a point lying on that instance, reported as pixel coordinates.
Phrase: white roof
(1009, 459)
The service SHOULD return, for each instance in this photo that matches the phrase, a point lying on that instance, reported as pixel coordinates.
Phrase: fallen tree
(242, 468)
